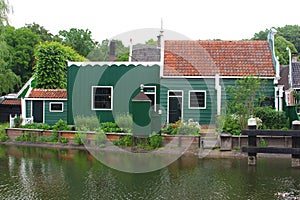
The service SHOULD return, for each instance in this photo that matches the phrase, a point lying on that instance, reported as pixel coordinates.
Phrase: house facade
(45, 105)
(187, 81)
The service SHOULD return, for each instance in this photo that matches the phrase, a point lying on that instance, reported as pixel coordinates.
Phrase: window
(102, 97)
(150, 91)
(56, 107)
(197, 99)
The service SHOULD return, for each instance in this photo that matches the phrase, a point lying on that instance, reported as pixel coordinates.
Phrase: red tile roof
(48, 93)
(11, 102)
(228, 58)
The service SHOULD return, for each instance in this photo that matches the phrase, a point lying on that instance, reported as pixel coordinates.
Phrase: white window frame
(149, 86)
(190, 107)
(62, 107)
(111, 98)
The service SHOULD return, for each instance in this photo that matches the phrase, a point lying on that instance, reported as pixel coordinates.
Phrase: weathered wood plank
(271, 150)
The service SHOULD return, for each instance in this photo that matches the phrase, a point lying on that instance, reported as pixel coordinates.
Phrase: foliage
(87, 123)
(111, 127)
(18, 121)
(100, 139)
(80, 138)
(291, 33)
(125, 122)
(5, 10)
(21, 44)
(150, 143)
(263, 143)
(53, 138)
(3, 136)
(155, 141)
(64, 140)
(43, 33)
(271, 119)
(151, 42)
(8, 79)
(51, 63)
(101, 52)
(78, 39)
(182, 128)
(232, 125)
(35, 125)
(280, 49)
(27, 137)
(242, 98)
(61, 125)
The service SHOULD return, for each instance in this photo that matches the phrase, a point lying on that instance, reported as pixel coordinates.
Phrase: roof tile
(228, 58)
(48, 93)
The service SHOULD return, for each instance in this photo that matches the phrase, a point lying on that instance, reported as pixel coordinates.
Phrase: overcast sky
(211, 19)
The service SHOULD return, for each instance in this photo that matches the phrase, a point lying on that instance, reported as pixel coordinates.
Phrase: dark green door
(37, 111)
(175, 106)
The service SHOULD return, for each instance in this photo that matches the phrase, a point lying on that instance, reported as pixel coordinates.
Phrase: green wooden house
(45, 105)
(106, 90)
(197, 73)
(187, 81)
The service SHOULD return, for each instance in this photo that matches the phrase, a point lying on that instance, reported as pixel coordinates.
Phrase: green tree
(5, 9)
(21, 43)
(242, 98)
(51, 63)
(79, 39)
(44, 34)
(8, 79)
(291, 33)
(101, 52)
(151, 42)
(280, 49)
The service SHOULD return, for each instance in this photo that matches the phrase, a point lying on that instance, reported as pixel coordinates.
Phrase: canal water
(41, 173)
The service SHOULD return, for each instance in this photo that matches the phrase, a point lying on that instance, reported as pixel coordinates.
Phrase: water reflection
(39, 173)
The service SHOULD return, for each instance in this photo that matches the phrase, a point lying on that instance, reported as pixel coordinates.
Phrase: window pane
(197, 99)
(102, 98)
(56, 107)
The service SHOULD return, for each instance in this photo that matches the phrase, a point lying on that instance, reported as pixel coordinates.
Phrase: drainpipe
(271, 39)
(290, 67)
(219, 93)
(280, 96)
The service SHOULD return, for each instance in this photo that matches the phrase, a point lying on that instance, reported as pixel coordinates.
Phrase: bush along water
(181, 128)
(149, 143)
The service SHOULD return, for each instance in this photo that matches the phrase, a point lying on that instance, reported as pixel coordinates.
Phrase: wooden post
(252, 141)
(296, 144)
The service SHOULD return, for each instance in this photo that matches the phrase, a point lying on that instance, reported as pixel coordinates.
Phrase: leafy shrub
(111, 127)
(18, 121)
(87, 123)
(125, 122)
(182, 128)
(35, 125)
(27, 137)
(272, 119)
(64, 140)
(124, 141)
(232, 125)
(80, 138)
(155, 141)
(3, 136)
(61, 125)
(53, 138)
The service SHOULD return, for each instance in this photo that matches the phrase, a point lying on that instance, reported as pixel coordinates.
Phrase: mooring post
(296, 144)
(252, 141)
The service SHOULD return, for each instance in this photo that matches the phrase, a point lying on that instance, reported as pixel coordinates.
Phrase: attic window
(102, 97)
(197, 99)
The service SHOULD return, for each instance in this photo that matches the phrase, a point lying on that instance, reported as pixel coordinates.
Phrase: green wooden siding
(125, 80)
(28, 109)
(52, 117)
(203, 116)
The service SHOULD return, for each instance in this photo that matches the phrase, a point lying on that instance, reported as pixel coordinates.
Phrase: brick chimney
(112, 51)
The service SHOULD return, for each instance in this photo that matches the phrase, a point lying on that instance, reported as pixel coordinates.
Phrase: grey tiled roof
(296, 74)
(145, 53)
